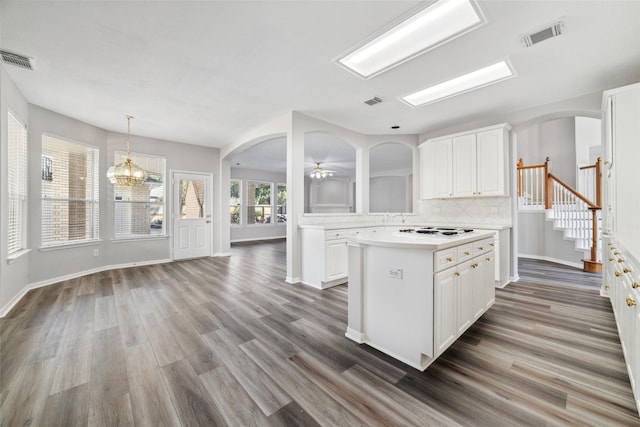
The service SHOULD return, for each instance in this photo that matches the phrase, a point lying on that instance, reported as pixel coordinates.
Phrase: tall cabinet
(621, 227)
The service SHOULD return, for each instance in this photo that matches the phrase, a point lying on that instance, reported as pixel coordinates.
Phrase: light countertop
(395, 239)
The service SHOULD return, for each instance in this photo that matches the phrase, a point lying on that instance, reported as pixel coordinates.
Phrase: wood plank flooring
(224, 341)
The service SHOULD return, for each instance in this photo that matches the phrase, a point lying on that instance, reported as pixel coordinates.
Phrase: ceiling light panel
(432, 26)
(474, 80)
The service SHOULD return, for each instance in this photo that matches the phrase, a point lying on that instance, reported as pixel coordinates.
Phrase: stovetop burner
(437, 231)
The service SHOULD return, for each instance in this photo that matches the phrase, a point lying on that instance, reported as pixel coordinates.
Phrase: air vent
(373, 101)
(544, 34)
(16, 60)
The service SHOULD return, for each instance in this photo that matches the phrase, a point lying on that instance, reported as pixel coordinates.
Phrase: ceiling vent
(16, 60)
(373, 101)
(541, 35)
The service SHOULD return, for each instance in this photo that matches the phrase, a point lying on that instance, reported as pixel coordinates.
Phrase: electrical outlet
(96, 252)
(395, 273)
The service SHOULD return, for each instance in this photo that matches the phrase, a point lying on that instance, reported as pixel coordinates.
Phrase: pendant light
(127, 173)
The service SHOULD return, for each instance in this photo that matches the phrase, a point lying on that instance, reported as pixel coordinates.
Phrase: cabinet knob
(620, 260)
(488, 259)
(609, 244)
(611, 258)
(474, 265)
(606, 286)
(618, 274)
(481, 248)
(491, 244)
(449, 259)
(635, 285)
(616, 253)
(467, 253)
(626, 270)
(457, 273)
(630, 302)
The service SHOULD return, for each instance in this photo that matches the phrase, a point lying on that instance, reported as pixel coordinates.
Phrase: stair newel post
(599, 182)
(548, 188)
(520, 177)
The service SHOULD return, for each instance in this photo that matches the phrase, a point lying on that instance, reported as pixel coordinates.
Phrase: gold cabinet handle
(630, 302)
(481, 248)
(616, 253)
(610, 244)
(474, 265)
(626, 270)
(606, 286)
(611, 258)
(618, 274)
(620, 260)
(449, 259)
(491, 244)
(488, 259)
(635, 285)
(467, 253)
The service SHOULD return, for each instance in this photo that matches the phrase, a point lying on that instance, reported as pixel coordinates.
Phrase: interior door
(191, 215)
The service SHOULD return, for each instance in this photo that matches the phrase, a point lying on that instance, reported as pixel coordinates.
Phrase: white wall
(244, 232)
(538, 240)
(40, 267)
(588, 140)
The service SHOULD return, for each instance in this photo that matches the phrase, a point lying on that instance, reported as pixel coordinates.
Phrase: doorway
(191, 215)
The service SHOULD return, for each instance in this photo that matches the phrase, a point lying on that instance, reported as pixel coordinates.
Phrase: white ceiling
(204, 72)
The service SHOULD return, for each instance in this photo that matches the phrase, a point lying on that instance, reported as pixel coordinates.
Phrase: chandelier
(127, 173)
(318, 172)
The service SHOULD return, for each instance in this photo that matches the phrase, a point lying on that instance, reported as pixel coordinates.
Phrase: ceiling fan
(319, 172)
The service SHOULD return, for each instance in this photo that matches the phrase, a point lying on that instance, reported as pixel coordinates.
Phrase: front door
(191, 215)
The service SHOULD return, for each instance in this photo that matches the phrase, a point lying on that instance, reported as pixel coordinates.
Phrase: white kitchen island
(412, 295)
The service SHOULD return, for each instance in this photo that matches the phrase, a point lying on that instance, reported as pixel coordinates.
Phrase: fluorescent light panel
(438, 23)
(465, 83)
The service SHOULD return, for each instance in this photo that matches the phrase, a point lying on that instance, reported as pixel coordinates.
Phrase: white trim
(146, 238)
(7, 308)
(259, 239)
(70, 245)
(17, 254)
(354, 335)
(221, 254)
(551, 259)
(293, 280)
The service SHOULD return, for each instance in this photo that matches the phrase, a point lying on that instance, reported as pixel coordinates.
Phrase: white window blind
(17, 184)
(139, 211)
(281, 206)
(70, 210)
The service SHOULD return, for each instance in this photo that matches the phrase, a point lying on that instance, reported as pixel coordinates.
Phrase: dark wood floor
(225, 341)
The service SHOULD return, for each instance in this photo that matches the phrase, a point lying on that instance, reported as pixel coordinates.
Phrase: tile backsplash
(480, 210)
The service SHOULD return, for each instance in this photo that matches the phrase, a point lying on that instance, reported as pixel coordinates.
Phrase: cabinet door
(444, 310)
(425, 152)
(464, 279)
(464, 165)
(442, 168)
(489, 279)
(479, 286)
(337, 259)
(490, 152)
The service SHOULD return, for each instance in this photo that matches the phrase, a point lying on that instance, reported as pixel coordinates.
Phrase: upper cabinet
(468, 164)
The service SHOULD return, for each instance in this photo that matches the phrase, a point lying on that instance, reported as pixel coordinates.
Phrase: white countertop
(395, 239)
(346, 226)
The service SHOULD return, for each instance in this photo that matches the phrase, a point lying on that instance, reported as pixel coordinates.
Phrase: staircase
(572, 213)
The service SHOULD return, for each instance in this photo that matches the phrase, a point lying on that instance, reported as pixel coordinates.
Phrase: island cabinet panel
(445, 316)
(465, 278)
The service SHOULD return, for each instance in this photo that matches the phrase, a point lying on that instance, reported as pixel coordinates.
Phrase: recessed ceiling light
(432, 26)
(476, 79)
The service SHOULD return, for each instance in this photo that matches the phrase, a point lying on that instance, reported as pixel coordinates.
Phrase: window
(69, 192)
(235, 201)
(258, 202)
(17, 184)
(281, 207)
(139, 210)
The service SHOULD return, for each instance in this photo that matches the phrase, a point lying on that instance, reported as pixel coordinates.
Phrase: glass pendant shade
(127, 173)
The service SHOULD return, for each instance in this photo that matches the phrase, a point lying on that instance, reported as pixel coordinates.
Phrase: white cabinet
(325, 258)
(469, 164)
(462, 293)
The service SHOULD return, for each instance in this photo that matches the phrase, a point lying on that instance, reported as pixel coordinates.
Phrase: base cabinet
(462, 293)
(325, 257)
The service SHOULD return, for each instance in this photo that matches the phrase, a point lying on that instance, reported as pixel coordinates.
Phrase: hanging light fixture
(318, 172)
(127, 173)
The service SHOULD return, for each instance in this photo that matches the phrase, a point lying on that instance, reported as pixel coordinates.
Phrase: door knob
(207, 221)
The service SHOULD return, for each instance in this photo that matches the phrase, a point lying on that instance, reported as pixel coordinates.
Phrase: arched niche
(390, 178)
(334, 191)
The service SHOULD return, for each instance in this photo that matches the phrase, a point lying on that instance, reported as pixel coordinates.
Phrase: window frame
(20, 188)
(270, 205)
(117, 154)
(93, 203)
(239, 205)
(278, 205)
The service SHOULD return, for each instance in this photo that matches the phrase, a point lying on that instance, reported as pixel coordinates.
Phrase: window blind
(70, 192)
(139, 211)
(235, 201)
(17, 184)
(259, 202)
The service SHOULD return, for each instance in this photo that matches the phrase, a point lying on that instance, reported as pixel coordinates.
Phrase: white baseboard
(7, 308)
(292, 280)
(354, 335)
(258, 239)
(556, 260)
(221, 254)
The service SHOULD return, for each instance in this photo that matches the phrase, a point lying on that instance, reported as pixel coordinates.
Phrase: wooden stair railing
(538, 188)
